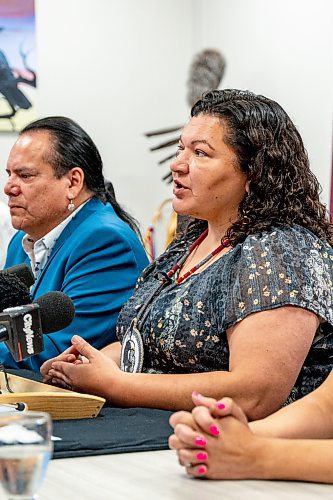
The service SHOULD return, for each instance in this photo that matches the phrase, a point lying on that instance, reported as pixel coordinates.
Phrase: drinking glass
(25, 449)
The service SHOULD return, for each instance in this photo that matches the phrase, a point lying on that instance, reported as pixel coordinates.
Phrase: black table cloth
(115, 430)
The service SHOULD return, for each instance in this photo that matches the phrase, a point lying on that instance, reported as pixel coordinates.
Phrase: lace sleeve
(287, 266)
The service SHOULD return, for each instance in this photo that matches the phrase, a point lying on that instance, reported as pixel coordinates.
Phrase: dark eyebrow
(199, 141)
(203, 141)
(19, 170)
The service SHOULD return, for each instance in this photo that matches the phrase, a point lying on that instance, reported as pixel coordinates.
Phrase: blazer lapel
(90, 207)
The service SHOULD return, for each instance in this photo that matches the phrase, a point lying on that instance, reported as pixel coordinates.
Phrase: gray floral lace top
(185, 330)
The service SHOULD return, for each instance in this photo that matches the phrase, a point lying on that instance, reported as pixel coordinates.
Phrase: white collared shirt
(40, 250)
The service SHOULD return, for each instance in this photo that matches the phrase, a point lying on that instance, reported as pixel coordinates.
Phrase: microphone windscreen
(23, 272)
(56, 311)
(13, 292)
(206, 72)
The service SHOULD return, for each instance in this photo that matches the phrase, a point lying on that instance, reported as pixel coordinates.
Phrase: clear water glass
(25, 450)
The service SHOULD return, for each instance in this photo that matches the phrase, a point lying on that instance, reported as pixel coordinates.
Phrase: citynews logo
(29, 333)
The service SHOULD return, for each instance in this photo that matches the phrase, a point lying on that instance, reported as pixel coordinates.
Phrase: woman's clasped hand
(215, 440)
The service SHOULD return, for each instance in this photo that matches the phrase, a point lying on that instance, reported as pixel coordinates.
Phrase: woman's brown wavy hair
(282, 188)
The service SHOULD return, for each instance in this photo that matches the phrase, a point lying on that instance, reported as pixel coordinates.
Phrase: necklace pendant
(132, 352)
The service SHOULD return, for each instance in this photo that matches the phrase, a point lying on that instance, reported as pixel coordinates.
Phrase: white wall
(282, 49)
(119, 67)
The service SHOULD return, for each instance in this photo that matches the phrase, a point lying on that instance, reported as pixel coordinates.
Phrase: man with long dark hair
(72, 231)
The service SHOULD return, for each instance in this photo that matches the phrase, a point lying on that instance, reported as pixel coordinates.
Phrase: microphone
(22, 271)
(22, 327)
(12, 291)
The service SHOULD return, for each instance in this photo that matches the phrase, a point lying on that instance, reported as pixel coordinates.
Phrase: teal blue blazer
(96, 262)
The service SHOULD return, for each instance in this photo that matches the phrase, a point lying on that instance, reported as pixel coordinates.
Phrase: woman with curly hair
(241, 305)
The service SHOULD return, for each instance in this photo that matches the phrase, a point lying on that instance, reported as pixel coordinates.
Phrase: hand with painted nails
(296, 443)
(229, 451)
(205, 413)
(214, 440)
(221, 408)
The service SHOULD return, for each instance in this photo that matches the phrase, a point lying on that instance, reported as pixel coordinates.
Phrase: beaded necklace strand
(194, 245)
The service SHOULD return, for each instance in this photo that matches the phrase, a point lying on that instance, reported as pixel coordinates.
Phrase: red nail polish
(201, 470)
(214, 430)
(200, 441)
(202, 456)
(220, 406)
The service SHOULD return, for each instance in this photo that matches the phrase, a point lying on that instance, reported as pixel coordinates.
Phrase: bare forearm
(173, 391)
(290, 459)
(307, 418)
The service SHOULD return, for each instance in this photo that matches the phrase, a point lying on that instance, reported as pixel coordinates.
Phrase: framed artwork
(17, 64)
